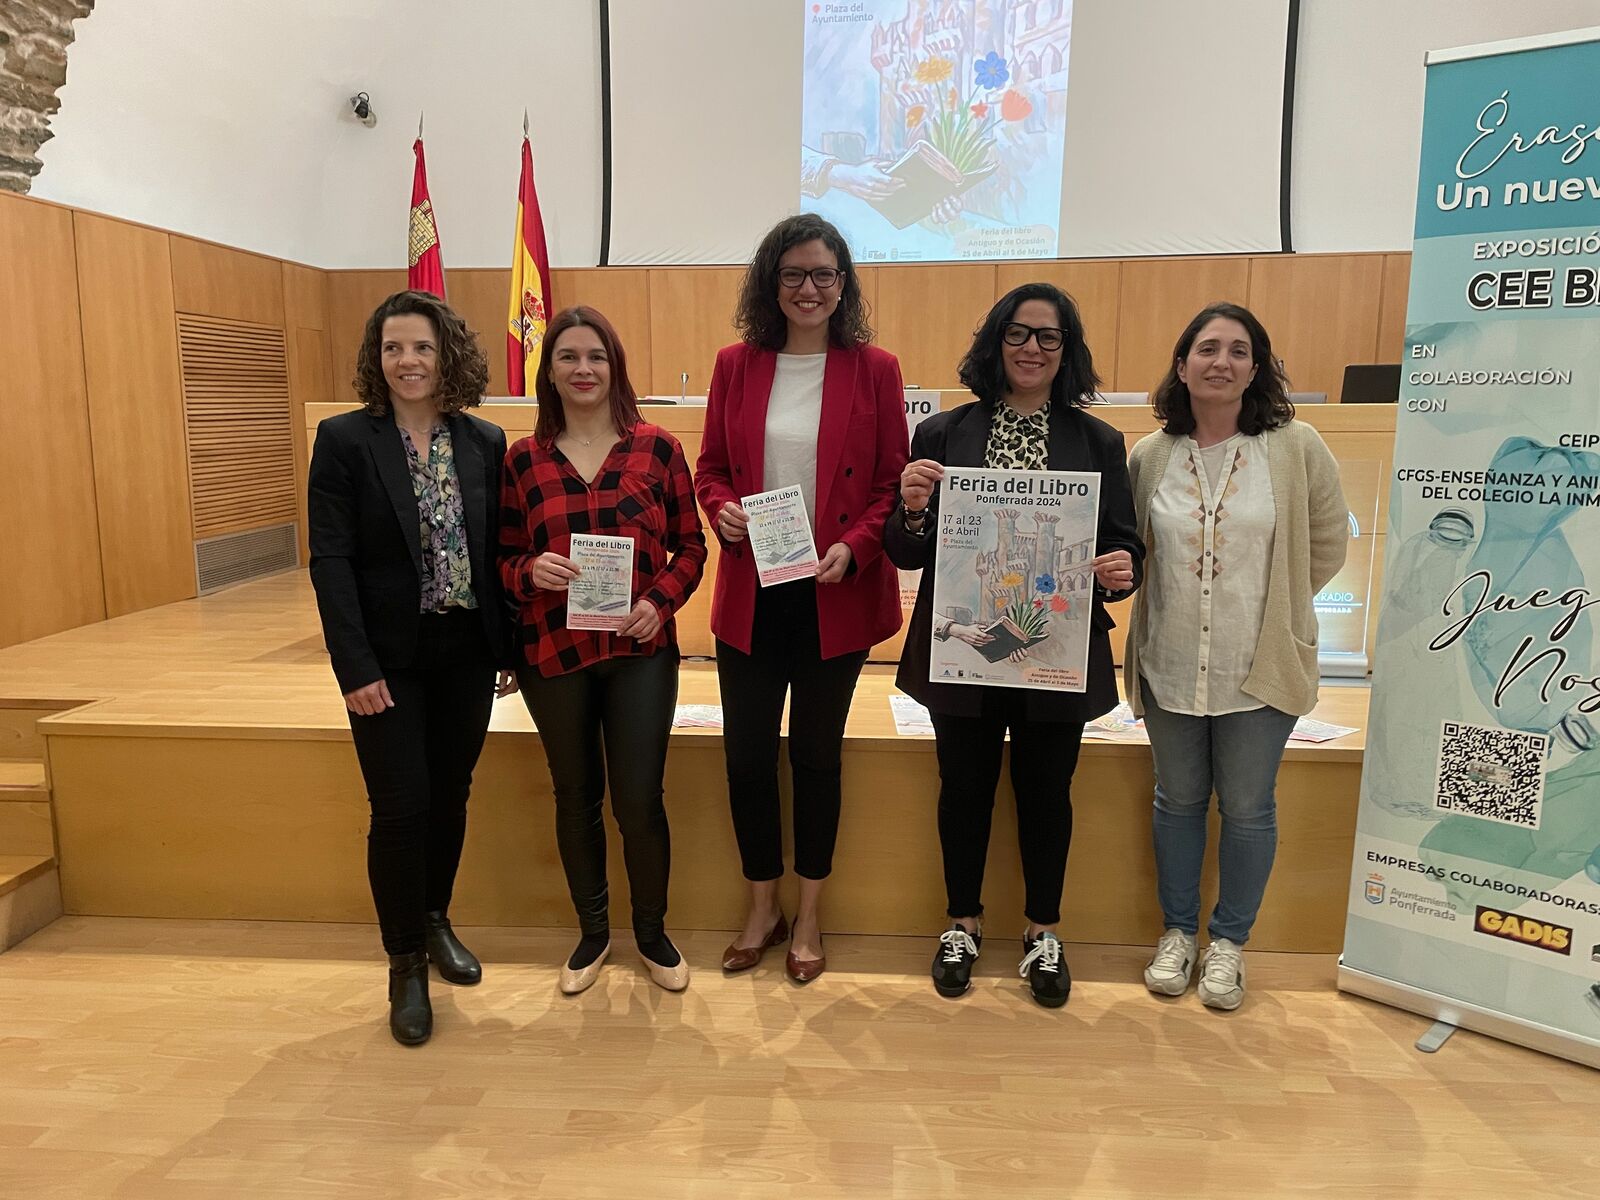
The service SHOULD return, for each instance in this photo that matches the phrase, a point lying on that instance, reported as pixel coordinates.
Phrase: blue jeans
(1238, 755)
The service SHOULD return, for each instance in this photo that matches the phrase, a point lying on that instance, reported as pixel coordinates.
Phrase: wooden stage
(202, 768)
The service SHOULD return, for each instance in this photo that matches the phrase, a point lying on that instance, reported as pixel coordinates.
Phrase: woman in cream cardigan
(1240, 509)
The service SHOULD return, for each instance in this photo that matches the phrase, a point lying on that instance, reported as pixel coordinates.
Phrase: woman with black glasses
(1033, 375)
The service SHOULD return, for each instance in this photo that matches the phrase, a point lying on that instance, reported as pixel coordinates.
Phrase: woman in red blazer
(803, 400)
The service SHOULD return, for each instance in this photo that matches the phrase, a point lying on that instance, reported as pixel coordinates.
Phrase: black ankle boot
(456, 963)
(410, 1014)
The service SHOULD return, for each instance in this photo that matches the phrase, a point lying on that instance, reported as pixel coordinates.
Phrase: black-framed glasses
(823, 277)
(1048, 336)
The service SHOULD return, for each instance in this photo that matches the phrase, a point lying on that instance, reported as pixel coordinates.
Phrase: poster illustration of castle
(1013, 578)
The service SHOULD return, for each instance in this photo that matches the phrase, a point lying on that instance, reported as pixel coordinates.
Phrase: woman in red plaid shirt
(603, 700)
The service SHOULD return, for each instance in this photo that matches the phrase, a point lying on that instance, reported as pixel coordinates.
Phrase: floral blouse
(447, 569)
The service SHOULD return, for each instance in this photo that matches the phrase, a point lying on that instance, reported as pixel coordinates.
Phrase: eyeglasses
(1048, 337)
(823, 277)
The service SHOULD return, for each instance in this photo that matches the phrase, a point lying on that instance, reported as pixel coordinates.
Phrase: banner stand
(1475, 883)
(1450, 1011)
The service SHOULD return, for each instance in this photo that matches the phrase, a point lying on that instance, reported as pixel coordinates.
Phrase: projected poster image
(933, 129)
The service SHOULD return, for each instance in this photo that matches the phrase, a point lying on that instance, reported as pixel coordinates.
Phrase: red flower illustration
(1058, 603)
(1014, 106)
(980, 110)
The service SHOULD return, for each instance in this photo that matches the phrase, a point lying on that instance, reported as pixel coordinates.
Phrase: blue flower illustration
(1045, 585)
(990, 71)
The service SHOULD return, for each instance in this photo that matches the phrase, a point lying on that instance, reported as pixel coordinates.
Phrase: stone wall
(34, 36)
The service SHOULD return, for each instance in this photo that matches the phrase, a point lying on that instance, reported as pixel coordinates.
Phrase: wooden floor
(180, 1059)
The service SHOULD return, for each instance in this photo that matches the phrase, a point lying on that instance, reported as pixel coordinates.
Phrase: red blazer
(861, 450)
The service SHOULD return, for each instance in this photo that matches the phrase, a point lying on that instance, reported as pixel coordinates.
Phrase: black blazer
(1078, 442)
(366, 540)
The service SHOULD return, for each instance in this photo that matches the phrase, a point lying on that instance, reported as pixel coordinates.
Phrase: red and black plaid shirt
(644, 492)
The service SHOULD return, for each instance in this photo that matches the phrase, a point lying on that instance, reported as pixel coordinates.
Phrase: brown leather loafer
(804, 970)
(742, 958)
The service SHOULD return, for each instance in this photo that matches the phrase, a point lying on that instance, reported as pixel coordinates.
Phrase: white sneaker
(1169, 971)
(1222, 975)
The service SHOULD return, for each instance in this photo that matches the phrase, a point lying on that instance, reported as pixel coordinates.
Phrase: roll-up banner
(1475, 894)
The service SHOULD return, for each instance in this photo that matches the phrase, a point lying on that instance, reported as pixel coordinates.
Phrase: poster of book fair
(1014, 578)
(1475, 896)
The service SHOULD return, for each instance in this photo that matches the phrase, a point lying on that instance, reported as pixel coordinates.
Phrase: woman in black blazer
(1032, 374)
(404, 509)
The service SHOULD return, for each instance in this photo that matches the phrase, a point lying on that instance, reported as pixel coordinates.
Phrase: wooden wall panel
(691, 318)
(306, 330)
(623, 296)
(136, 412)
(481, 297)
(1392, 310)
(352, 295)
(1321, 311)
(52, 579)
(219, 282)
(1096, 284)
(1159, 297)
(926, 315)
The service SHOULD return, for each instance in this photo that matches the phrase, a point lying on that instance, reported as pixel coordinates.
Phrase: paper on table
(1118, 725)
(910, 718)
(602, 595)
(1308, 730)
(780, 535)
(697, 716)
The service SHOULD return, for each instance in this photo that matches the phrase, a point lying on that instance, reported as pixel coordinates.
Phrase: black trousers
(417, 760)
(1043, 756)
(612, 718)
(785, 656)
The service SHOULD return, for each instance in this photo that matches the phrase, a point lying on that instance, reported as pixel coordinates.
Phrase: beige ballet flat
(674, 979)
(573, 982)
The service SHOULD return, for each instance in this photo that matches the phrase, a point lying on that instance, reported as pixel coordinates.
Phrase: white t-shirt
(1211, 527)
(794, 415)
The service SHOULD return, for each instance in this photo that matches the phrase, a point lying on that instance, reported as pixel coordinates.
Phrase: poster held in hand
(780, 535)
(1013, 586)
(601, 597)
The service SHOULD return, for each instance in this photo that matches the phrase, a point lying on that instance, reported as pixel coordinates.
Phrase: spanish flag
(530, 282)
(425, 265)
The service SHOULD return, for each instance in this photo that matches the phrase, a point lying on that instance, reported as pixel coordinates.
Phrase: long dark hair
(758, 318)
(1265, 404)
(463, 369)
(624, 401)
(983, 370)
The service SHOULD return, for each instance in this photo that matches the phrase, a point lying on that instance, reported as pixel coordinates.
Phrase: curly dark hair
(624, 400)
(1265, 404)
(983, 370)
(463, 369)
(758, 318)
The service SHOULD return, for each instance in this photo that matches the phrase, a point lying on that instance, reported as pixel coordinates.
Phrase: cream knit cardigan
(1308, 548)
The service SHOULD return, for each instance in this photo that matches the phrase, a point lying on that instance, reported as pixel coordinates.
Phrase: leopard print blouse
(1017, 442)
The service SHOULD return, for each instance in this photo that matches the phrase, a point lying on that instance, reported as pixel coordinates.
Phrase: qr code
(1492, 773)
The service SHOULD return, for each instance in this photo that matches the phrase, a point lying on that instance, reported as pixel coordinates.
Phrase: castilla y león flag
(425, 265)
(530, 283)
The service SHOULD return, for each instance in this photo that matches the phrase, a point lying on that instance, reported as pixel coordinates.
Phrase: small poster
(1013, 587)
(780, 535)
(601, 597)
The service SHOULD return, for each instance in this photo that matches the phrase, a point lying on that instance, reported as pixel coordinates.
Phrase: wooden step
(18, 869)
(26, 827)
(18, 736)
(21, 773)
(30, 896)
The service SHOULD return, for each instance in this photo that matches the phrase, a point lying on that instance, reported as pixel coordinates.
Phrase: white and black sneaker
(1045, 970)
(952, 965)
(1173, 963)
(1222, 975)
